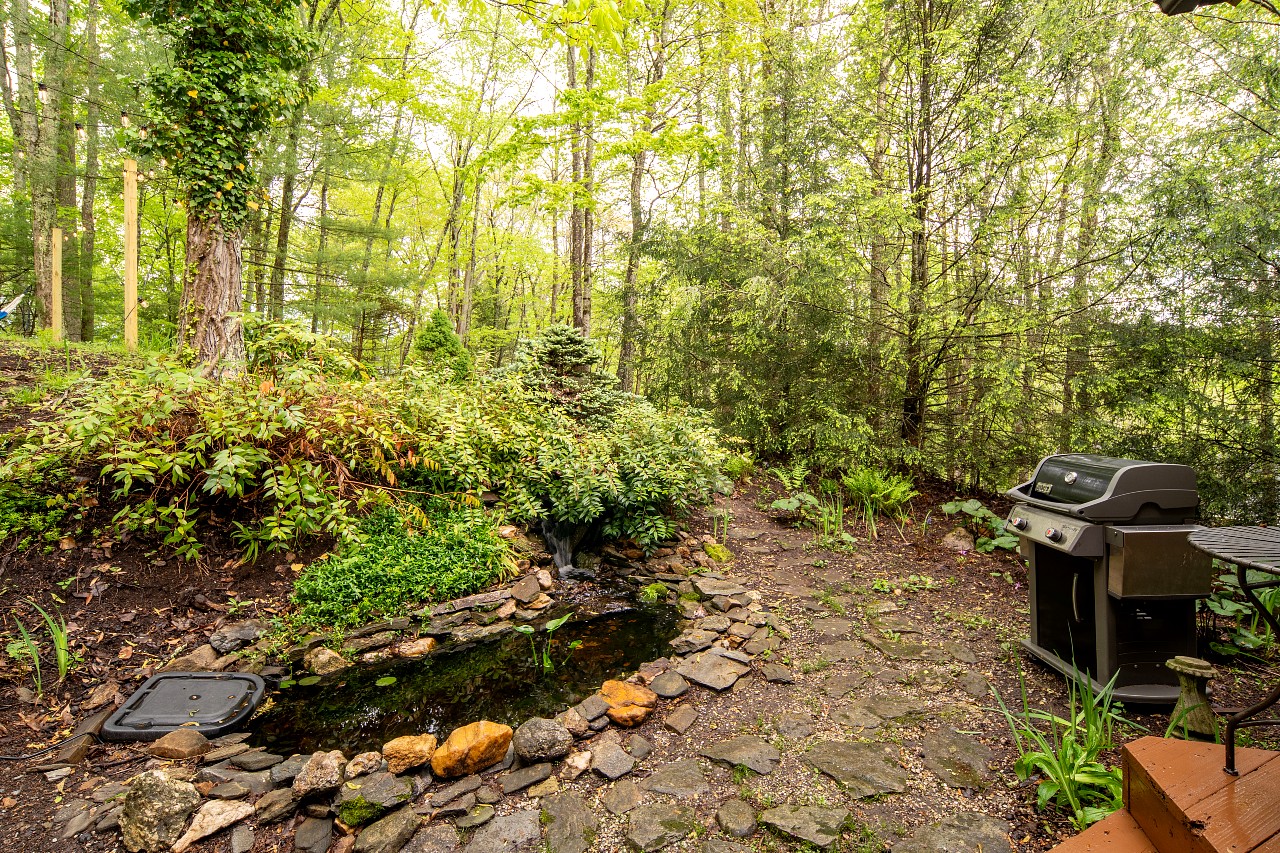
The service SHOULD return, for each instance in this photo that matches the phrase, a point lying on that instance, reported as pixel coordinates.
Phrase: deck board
(1118, 833)
(1242, 816)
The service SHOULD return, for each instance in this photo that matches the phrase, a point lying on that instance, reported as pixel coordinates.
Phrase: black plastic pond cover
(212, 703)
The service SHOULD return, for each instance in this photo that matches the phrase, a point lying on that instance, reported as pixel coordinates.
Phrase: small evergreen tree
(438, 345)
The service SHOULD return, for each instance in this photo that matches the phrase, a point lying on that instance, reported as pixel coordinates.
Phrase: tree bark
(88, 221)
(211, 296)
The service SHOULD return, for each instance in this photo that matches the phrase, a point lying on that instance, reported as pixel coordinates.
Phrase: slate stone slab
(683, 779)
(960, 652)
(478, 816)
(719, 845)
(518, 780)
(864, 769)
(454, 791)
(434, 838)
(794, 725)
(959, 760)
(572, 825)
(712, 588)
(967, 832)
(737, 819)
(832, 627)
(389, 834)
(681, 719)
(659, 825)
(776, 673)
(713, 670)
(856, 719)
(592, 708)
(839, 686)
(894, 706)
(255, 759)
(897, 650)
(669, 685)
(513, 833)
(844, 650)
(314, 835)
(611, 761)
(693, 641)
(817, 825)
(622, 797)
(747, 751)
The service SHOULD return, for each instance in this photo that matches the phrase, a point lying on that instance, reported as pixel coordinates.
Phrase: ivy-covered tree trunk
(212, 295)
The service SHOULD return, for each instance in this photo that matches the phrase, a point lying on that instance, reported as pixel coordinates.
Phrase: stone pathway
(777, 720)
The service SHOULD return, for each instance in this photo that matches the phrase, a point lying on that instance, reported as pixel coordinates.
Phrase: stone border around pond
(380, 800)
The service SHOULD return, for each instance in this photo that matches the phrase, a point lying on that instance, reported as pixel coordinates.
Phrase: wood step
(1118, 833)
(1179, 795)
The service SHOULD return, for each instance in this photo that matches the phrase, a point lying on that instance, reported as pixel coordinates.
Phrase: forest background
(949, 237)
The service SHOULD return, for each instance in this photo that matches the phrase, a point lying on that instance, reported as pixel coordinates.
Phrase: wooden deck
(1178, 800)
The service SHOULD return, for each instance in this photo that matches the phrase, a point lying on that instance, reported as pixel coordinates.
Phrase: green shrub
(987, 527)
(438, 345)
(445, 552)
(879, 492)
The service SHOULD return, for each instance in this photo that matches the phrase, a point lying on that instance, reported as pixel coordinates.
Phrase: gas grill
(1113, 580)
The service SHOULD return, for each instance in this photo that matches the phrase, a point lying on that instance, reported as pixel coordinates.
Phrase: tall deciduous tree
(233, 74)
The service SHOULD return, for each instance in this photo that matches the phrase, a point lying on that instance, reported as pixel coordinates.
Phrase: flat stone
(898, 650)
(776, 673)
(517, 780)
(242, 842)
(572, 826)
(201, 659)
(256, 759)
(368, 798)
(959, 760)
(745, 751)
(973, 684)
(844, 650)
(795, 726)
(694, 640)
(712, 588)
(373, 642)
(737, 819)
(210, 818)
(418, 648)
(839, 686)
(228, 791)
(434, 838)
(611, 761)
(540, 739)
(454, 791)
(576, 764)
(237, 635)
(526, 589)
(894, 706)
(681, 719)
(180, 745)
(259, 782)
(639, 748)
(109, 791)
(314, 835)
(683, 779)
(719, 845)
(659, 825)
(713, 670)
(718, 623)
(545, 788)
(623, 796)
(518, 831)
(966, 832)
(478, 816)
(363, 764)
(960, 652)
(76, 747)
(457, 808)
(479, 600)
(817, 825)
(389, 834)
(760, 646)
(222, 753)
(864, 769)
(669, 685)
(286, 771)
(274, 805)
(832, 627)
(896, 623)
(488, 795)
(592, 708)
(856, 719)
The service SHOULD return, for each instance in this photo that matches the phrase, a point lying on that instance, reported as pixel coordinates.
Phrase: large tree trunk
(211, 296)
(321, 245)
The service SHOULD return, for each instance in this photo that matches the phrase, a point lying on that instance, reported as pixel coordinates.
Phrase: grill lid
(1103, 488)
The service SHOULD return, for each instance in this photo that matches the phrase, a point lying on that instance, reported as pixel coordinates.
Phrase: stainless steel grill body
(1113, 580)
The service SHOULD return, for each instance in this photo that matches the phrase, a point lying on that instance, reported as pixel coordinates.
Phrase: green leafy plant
(989, 528)
(653, 592)
(543, 655)
(61, 640)
(793, 479)
(1246, 630)
(400, 558)
(878, 493)
(1065, 751)
(26, 650)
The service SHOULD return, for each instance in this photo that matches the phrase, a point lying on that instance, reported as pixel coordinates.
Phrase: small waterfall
(563, 539)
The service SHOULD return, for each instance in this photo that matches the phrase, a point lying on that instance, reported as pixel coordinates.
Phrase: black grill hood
(1103, 488)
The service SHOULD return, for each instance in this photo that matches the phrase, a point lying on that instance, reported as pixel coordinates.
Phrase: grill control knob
(1018, 523)
(1053, 534)
(1070, 477)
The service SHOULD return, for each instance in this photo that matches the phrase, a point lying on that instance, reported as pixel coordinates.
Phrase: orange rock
(629, 704)
(416, 648)
(471, 748)
(405, 753)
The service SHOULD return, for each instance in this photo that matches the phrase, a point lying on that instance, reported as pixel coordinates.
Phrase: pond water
(499, 681)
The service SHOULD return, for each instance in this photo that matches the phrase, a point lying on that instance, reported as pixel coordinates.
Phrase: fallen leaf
(66, 543)
(126, 652)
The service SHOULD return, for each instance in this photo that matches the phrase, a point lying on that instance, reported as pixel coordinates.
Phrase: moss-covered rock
(718, 552)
